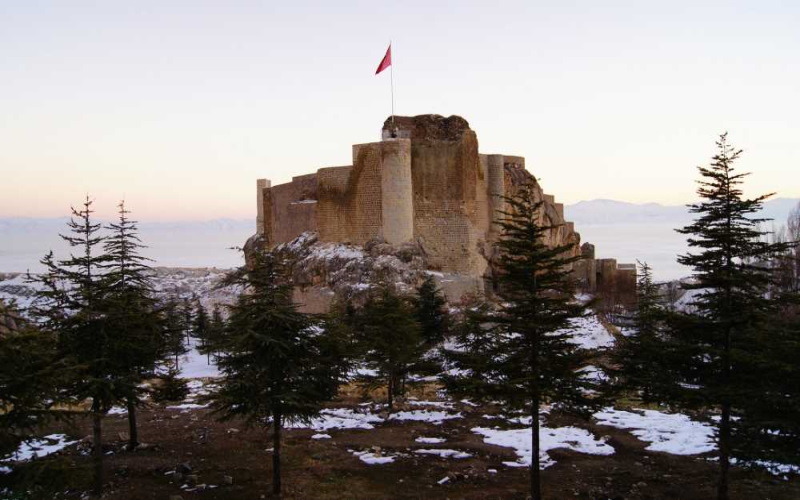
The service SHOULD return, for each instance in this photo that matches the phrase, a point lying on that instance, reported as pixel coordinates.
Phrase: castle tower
(497, 189)
(397, 203)
(261, 184)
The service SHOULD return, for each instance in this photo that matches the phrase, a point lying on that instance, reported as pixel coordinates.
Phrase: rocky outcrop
(324, 272)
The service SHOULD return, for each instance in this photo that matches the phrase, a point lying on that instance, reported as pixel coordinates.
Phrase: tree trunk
(536, 482)
(133, 431)
(390, 392)
(276, 454)
(97, 452)
(724, 451)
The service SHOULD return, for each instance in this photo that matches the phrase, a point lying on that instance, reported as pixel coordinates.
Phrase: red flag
(386, 61)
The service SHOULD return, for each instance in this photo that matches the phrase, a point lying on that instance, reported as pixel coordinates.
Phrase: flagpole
(391, 80)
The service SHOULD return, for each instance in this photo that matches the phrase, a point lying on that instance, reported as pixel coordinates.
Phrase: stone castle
(424, 184)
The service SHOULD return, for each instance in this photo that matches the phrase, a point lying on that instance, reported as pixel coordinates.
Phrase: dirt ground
(325, 469)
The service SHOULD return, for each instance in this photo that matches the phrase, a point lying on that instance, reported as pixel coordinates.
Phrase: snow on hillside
(520, 440)
(201, 284)
(668, 432)
(588, 333)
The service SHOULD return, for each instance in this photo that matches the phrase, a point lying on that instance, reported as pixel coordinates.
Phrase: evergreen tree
(719, 352)
(73, 299)
(133, 317)
(520, 355)
(274, 364)
(431, 312)
(215, 333)
(187, 320)
(389, 339)
(200, 325)
(174, 331)
(768, 426)
(639, 356)
(28, 375)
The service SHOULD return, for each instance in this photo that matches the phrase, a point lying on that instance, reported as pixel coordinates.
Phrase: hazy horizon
(620, 230)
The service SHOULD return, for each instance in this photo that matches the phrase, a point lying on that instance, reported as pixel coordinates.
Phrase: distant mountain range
(625, 231)
(646, 232)
(619, 212)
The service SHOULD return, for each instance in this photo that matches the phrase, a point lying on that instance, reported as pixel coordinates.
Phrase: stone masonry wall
(293, 206)
(350, 206)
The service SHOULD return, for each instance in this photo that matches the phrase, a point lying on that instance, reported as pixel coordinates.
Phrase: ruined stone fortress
(424, 184)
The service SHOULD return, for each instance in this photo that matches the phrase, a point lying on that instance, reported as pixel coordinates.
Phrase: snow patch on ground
(593, 374)
(340, 418)
(117, 410)
(571, 438)
(588, 333)
(443, 453)
(187, 406)
(430, 440)
(37, 448)
(434, 417)
(196, 365)
(371, 458)
(667, 432)
(436, 404)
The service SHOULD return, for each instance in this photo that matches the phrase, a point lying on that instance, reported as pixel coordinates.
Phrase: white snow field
(588, 333)
(196, 365)
(667, 432)
(572, 438)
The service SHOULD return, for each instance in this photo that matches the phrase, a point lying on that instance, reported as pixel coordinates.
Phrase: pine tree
(200, 327)
(133, 316)
(719, 350)
(639, 356)
(173, 336)
(274, 364)
(431, 312)
(389, 339)
(216, 332)
(73, 301)
(520, 355)
(28, 374)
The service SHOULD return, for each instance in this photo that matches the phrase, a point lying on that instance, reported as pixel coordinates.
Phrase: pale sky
(179, 106)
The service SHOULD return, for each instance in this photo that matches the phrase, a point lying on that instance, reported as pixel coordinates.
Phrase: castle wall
(352, 206)
(293, 208)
